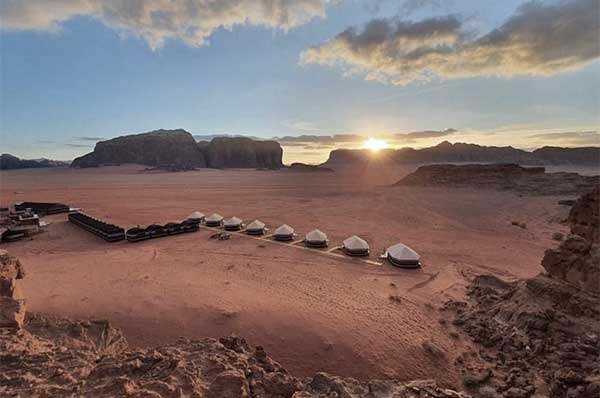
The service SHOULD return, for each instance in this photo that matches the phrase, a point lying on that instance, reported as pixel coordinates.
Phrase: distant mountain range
(10, 162)
(446, 152)
(178, 148)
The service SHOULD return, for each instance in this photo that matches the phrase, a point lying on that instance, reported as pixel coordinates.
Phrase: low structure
(196, 216)
(108, 232)
(43, 208)
(284, 233)
(233, 224)
(256, 227)
(403, 256)
(316, 238)
(214, 220)
(356, 246)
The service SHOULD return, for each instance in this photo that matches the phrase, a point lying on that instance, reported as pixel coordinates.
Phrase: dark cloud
(89, 138)
(157, 21)
(540, 39)
(79, 145)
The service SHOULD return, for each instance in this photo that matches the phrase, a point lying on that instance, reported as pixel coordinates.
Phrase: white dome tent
(316, 238)
(284, 233)
(214, 220)
(403, 256)
(233, 224)
(196, 216)
(256, 227)
(356, 246)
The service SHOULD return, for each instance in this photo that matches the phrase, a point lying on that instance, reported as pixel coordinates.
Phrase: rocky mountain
(241, 152)
(446, 152)
(525, 180)
(10, 162)
(156, 148)
(179, 149)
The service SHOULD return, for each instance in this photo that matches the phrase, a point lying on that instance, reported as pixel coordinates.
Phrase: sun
(374, 144)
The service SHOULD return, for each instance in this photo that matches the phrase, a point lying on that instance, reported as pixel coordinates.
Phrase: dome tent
(356, 246)
(284, 233)
(214, 220)
(196, 216)
(256, 227)
(403, 256)
(233, 224)
(316, 238)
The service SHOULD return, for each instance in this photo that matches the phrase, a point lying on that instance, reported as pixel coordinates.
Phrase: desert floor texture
(310, 312)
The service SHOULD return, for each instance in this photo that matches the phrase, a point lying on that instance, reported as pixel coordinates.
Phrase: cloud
(579, 138)
(337, 140)
(89, 138)
(418, 135)
(192, 21)
(540, 39)
(79, 145)
(318, 139)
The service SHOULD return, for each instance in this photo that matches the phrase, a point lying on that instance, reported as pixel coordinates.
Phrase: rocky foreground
(525, 180)
(541, 336)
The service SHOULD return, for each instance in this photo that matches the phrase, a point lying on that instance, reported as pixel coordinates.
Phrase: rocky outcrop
(55, 357)
(12, 302)
(525, 180)
(10, 162)
(542, 335)
(577, 259)
(447, 152)
(178, 150)
(156, 148)
(241, 152)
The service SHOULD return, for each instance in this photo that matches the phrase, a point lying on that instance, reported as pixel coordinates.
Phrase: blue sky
(80, 74)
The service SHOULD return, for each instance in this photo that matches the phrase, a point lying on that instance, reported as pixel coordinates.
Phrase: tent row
(398, 254)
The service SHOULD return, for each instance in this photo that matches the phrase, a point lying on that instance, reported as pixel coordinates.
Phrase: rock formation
(541, 336)
(526, 180)
(10, 162)
(178, 150)
(242, 152)
(577, 259)
(54, 357)
(12, 302)
(446, 152)
(156, 148)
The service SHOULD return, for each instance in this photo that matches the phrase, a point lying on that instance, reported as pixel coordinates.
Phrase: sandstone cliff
(156, 148)
(179, 150)
(242, 152)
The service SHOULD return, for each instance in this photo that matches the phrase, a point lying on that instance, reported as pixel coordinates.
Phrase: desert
(311, 312)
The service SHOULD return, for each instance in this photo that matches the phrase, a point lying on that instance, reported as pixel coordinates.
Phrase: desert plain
(310, 311)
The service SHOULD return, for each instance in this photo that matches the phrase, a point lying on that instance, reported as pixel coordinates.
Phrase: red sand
(311, 313)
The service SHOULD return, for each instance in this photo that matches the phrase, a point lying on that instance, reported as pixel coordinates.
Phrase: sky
(313, 74)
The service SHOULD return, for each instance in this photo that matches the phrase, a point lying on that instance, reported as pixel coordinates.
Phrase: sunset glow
(375, 145)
